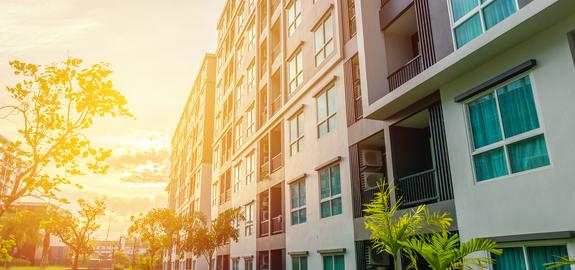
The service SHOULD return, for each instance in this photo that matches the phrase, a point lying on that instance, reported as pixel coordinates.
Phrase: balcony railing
(277, 162)
(265, 170)
(276, 51)
(277, 224)
(276, 104)
(404, 73)
(265, 227)
(417, 188)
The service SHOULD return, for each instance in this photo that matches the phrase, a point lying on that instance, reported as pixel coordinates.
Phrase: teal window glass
(333, 262)
(484, 120)
(330, 184)
(511, 259)
(497, 11)
(538, 256)
(462, 7)
(510, 108)
(517, 107)
(490, 164)
(468, 30)
(299, 263)
(298, 204)
(528, 154)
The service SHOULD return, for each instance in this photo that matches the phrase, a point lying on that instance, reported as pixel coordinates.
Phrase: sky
(154, 47)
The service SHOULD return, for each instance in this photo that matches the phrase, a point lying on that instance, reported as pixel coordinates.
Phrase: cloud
(148, 164)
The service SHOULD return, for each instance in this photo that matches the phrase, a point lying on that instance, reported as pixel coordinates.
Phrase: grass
(37, 268)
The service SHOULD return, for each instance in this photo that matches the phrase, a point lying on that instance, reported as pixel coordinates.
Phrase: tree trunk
(45, 250)
(134, 255)
(75, 262)
(169, 259)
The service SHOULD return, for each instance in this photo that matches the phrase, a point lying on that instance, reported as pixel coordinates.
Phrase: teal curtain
(335, 181)
(538, 256)
(517, 107)
(328, 263)
(484, 120)
(528, 154)
(295, 218)
(468, 30)
(490, 164)
(324, 181)
(325, 209)
(302, 216)
(301, 186)
(295, 263)
(461, 7)
(497, 11)
(303, 263)
(336, 206)
(339, 262)
(511, 259)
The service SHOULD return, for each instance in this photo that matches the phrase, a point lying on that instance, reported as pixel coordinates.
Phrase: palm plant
(563, 261)
(390, 228)
(444, 252)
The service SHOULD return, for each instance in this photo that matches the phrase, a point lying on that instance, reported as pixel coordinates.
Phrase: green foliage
(54, 105)
(19, 262)
(6, 246)
(444, 252)
(156, 228)
(390, 228)
(22, 226)
(563, 261)
(75, 230)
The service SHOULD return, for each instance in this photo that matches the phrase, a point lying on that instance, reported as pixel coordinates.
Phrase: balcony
(264, 170)
(277, 224)
(265, 228)
(277, 162)
(405, 73)
(418, 188)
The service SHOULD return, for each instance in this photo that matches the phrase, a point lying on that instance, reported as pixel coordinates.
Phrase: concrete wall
(534, 201)
(441, 28)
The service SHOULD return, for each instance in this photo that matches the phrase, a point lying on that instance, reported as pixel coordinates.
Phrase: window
(326, 109)
(240, 92)
(536, 256)
(250, 121)
(299, 262)
(333, 262)
(237, 178)
(358, 109)
(293, 16)
(296, 133)
(298, 209)
(248, 264)
(236, 264)
(249, 216)
(240, 54)
(251, 36)
(250, 168)
(351, 17)
(506, 134)
(295, 71)
(323, 40)
(470, 18)
(251, 77)
(330, 203)
(239, 134)
(215, 194)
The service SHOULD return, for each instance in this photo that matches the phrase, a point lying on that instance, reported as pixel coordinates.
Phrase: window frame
(250, 168)
(300, 207)
(524, 245)
(297, 60)
(251, 77)
(300, 125)
(251, 35)
(476, 10)
(332, 255)
(237, 176)
(505, 142)
(250, 120)
(249, 222)
(295, 8)
(328, 116)
(238, 133)
(332, 197)
(325, 39)
(298, 258)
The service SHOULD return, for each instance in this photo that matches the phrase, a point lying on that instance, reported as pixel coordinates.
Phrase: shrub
(20, 262)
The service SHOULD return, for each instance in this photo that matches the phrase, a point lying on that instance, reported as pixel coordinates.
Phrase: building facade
(191, 156)
(453, 101)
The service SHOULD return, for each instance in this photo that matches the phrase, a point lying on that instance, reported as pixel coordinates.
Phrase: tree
(54, 105)
(444, 252)
(153, 229)
(390, 228)
(76, 230)
(23, 227)
(561, 262)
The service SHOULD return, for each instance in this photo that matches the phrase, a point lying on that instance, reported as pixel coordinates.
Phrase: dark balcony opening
(276, 209)
(372, 168)
(275, 41)
(263, 67)
(264, 213)
(368, 257)
(263, 106)
(420, 160)
(277, 259)
(276, 142)
(264, 158)
(225, 187)
(263, 9)
(276, 92)
(403, 49)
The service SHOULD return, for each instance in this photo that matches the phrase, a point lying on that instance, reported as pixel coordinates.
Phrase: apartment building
(474, 97)
(191, 155)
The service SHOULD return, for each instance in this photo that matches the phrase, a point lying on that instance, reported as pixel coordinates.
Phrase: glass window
(237, 177)
(293, 16)
(518, 258)
(326, 109)
(333, 262)
(250, 120)
(251, 78)
(249, 216)
(470, 18)
(330, 186)
(238, 134)
(250, 168)
(323, 40)
(248, 264)
(299, 263)
(251, 36)
(298, 203)
(296, 134)
(507, 137)
(295, 71)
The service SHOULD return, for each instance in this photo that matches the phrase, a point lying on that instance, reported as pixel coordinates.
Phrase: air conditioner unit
(377, 259)
(371, 158)
(371, 180)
